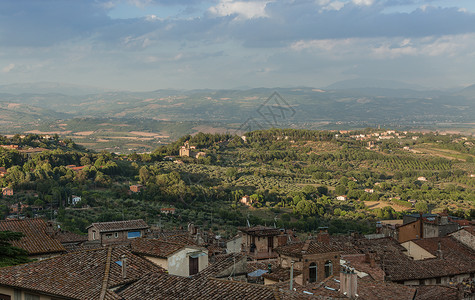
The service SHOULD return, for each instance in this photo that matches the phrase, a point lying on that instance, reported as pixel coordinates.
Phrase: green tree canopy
(10, 255)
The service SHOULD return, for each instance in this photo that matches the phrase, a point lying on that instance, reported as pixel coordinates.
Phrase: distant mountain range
(362, 83)
(50, 88)
(353, 103)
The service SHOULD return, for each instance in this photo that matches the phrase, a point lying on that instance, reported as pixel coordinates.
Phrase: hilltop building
(190, 151)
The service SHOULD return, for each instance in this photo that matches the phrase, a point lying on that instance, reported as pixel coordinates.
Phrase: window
(116, 235)
(328, 268)
(93, 235)
(193, 265)
(5, 297)
(109, 235)
(438, 280)
(31, 297)
(133, 234)
(312, 272)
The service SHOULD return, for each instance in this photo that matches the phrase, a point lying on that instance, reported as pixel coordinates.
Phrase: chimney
(306, 246)
(439, 251)
(348, 282)
(323, 235)
(123, 259)
(370, 259)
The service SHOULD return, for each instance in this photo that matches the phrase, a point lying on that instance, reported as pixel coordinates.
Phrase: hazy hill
(468, 92)
(302, 107)
(373, 83)
(49, 87)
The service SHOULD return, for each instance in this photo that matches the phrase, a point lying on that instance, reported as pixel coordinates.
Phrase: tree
(322, 190)
(421, 207)
(306, 208)
(10, 255)
(231, 172)
(340, 189)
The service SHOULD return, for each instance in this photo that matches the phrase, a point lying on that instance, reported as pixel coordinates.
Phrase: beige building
(190, 151)
(246, 200)
(178, 259)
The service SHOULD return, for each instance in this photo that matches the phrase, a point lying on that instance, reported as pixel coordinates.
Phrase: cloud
(243, 9)
(8, 68)
(383, 48)
(260, 41)
(363, 2)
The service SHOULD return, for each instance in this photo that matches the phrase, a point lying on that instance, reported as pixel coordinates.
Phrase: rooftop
(164, 286)
(222, 264)
(260, 231)
(280, 274)
(68, 237)
(304, 248)
(66, 275)
(36, 241)
(120, 225)
(155, 247)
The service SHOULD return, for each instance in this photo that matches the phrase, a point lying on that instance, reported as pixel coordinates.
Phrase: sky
(144, 45)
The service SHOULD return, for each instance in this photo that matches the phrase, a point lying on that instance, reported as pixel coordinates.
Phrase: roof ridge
(117, 221)
(240, 282)
(106, 274)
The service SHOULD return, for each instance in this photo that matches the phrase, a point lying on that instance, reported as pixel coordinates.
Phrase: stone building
(316, 260)
(116, 232)
(259, 242)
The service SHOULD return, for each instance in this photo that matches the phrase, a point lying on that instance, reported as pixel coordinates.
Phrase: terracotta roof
(164, 286)
(68, 237)
(449, 246)
(81, 275)
(305, 248)
(430, 292)
(312, 290)
(344, 243)
(280, 274)
(120, 225)
(154, 247)
(400, 267)
(359, 262)
(261, 265)
(181, 238)
(367, 289)
(261, 231)
(216, 249)
(222, 263)
(35, 241)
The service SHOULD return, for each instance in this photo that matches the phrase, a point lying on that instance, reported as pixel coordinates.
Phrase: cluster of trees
(292, 176)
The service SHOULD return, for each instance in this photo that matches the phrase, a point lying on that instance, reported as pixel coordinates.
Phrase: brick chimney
(370, 259)
(348, 282)
(123, 259)
(323, 235)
